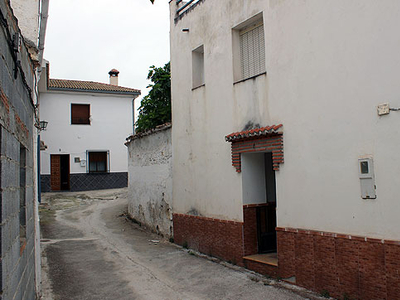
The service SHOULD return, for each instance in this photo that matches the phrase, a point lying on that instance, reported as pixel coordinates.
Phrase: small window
(80, 114)
(98, 162)
(198, 67)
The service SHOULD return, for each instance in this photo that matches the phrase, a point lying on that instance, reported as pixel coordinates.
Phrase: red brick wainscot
(214, 237)
(228, 240)
(347, 267)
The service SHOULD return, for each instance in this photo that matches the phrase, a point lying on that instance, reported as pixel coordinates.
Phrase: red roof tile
(90, 86)
(256, 132)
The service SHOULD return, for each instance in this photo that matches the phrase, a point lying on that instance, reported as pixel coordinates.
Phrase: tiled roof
(257, 132)
(90, 86)
(148, 132)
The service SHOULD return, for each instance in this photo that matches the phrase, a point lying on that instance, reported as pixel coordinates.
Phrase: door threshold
(268, 258)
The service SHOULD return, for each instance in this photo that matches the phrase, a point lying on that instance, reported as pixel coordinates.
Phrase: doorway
(59, 178)
(266, 214)
(259, 203)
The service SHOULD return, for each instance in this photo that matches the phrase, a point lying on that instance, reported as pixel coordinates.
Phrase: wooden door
(266, 223)
(55, 177)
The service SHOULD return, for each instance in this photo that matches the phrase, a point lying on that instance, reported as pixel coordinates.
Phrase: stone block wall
(150, 179)
(17, 223)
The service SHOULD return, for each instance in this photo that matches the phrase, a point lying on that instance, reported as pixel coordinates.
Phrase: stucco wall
(329, 64)
(111, 123)
(150, 181)
(27, 13)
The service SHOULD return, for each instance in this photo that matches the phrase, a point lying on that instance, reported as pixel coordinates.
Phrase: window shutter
(252, 51)
(80, 113)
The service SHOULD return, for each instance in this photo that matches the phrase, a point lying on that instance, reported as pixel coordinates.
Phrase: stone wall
(17, 221)
(150, 179)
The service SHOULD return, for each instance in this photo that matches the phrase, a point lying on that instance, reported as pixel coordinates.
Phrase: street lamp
(43, 125)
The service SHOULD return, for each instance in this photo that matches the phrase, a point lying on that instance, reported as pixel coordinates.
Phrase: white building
(310, 172)
(87, 126)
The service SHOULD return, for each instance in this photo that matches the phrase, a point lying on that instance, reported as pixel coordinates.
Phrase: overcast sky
(85, 39)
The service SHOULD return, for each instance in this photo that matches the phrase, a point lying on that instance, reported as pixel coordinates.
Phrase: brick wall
(272, 144)
(345, 266)
(17, 255)
(219, 238)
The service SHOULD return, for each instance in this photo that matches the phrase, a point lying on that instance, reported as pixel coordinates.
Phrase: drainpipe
(44, 14)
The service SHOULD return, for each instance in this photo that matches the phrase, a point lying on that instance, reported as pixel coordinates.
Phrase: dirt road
(91, 250)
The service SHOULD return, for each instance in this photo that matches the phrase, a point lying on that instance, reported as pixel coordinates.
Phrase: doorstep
(265, 264)
(268, 259)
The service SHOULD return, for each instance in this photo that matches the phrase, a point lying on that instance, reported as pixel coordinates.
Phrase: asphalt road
(90, 250)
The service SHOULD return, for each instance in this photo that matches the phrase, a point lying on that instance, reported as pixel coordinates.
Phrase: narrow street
(90, 250)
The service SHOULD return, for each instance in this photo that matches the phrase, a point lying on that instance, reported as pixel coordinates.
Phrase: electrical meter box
(367, 177)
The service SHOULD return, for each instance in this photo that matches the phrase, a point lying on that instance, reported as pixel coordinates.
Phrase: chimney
(114, 76)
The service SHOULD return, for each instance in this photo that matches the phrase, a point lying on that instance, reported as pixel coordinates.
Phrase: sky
(85, 39)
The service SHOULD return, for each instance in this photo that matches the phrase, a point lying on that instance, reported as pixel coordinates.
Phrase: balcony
(183, 7)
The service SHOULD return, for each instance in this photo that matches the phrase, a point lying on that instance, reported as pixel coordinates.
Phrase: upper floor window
(249, 48)
(198, 67)
(80, 114)
(252, 50)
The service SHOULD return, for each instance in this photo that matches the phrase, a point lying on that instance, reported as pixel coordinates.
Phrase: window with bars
(80, 114)
(98, 161)
(252, 50)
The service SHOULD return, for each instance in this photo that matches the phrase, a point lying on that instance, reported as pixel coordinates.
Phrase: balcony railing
(184, 7)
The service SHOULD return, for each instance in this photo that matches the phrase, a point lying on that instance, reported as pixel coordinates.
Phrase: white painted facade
(150, 180)
(328, 65)
(111, 123)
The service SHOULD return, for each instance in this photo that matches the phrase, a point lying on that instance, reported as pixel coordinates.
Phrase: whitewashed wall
(150, 181)
(27, 13)
(111, 123)
(329, 64)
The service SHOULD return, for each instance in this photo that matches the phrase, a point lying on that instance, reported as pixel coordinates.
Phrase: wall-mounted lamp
(43, 125)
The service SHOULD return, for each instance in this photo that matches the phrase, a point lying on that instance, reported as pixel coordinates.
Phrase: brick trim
(338, 235)
(272, 143)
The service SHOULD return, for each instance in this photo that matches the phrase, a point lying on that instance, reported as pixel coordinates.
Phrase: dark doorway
(266, 215)
(59, 172)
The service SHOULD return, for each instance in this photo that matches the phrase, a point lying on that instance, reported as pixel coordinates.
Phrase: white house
(87, 126)
(281, 160)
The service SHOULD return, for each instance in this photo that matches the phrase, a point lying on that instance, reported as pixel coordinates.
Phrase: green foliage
(152, 1)
(155, 108)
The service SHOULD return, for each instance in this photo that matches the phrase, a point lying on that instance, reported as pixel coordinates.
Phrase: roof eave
(95, 91)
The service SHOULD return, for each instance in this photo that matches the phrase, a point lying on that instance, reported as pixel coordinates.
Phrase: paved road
(92, 251)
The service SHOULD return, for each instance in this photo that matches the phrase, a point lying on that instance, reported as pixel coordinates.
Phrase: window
(252, 51)
(80, 114)
(248, 48)
(198, 67)
(98, 161)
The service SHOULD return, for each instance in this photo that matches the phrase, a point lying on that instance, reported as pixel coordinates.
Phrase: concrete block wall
(16, 130)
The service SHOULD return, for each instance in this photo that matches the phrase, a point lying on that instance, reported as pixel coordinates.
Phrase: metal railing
(182, 9)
